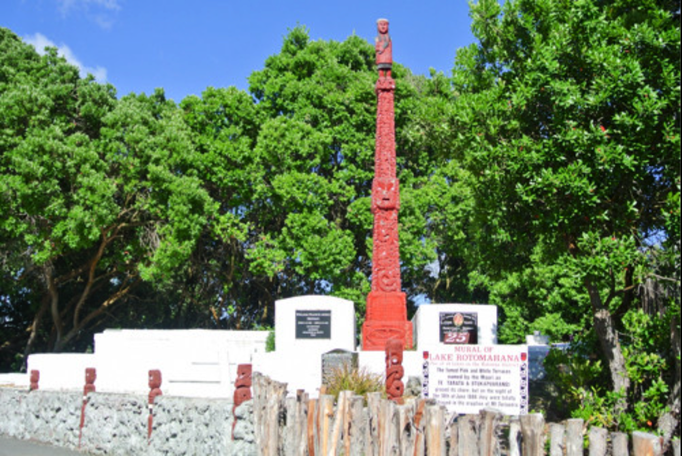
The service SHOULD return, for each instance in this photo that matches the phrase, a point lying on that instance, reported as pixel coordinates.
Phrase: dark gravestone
(336, 360)
(313, 324)
(459, 328)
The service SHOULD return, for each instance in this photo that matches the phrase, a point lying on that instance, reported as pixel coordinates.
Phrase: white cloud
(67, 5)
(102, 12)
(40, 41)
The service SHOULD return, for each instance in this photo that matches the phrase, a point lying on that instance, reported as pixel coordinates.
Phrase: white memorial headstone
(314, 324)
(454, 324)
(306, 327)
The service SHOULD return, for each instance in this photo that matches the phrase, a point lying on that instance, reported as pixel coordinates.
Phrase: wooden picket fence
(299, 426)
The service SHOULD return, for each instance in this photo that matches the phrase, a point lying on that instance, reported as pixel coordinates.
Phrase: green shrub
(584, 389)
(348, 378)
(270, 342)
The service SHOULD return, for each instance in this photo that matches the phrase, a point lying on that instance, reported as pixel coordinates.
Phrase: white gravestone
(454, 324)
(314, 324)
(306, 327)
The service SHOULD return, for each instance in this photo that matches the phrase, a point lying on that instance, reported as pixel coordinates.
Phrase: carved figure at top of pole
(384, 49)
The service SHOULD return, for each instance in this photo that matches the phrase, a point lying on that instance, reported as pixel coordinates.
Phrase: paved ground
(15, 447)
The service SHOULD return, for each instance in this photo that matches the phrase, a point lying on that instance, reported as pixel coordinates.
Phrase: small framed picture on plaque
(459, 328)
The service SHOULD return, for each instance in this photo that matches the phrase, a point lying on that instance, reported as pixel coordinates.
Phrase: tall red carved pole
(386, 316)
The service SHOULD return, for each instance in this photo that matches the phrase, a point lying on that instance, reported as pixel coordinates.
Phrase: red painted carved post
(242, 390)
(154, 390)
(90, 377)
(394, 370)
(35, 379)
(386, 316)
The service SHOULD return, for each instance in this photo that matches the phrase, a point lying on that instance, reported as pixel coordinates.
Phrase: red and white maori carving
(394, 370)
(90, 377)
(386, 315)
(384, 158)
(384, 48)
(242, 390)
(386, 252)
(89, 387)
(385, 194)
(375, 334)
(35, 379)
(154, 385)
(242, 385)
(154, 392)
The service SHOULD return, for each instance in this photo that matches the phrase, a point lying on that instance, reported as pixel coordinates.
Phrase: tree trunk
(34, 330)
(53, 293)
(610, 346)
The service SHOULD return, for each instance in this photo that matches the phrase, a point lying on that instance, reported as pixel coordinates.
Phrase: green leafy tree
(291, 166)
(96, 195)
(568, 121)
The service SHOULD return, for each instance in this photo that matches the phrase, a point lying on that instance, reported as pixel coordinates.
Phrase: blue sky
(184, 47)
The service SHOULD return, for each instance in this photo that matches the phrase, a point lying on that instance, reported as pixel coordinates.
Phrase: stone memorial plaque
(468, 378)
(459, 327)
(445, 325)
(313, 324)
(335, 360)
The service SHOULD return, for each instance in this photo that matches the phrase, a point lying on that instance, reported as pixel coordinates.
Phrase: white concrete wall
(303, 371)
(63, 371)
(195, 363)
(15, 380)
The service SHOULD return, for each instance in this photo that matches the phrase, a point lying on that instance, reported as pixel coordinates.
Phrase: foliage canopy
(542, 176)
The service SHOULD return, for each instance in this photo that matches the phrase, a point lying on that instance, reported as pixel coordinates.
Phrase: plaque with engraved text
(313, 324)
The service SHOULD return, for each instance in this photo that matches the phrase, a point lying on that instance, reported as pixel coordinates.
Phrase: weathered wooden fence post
(619, 444)
(514, 436)
(468, 434)
(556, 439)
(325, 413)
(435, 430)
(267, 406)
(419, 428)
(454, 437)
(574, 437)
(645, 444)
(532, 428)
(358, 428)
(337, 424)
(487, 438)
(406, 427)
(312, 419)
(597, 438)
(299, 426)
(389, 429)
(373, 425)
(295, 431)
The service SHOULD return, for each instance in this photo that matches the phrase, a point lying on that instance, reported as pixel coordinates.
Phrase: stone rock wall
(116, 424)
